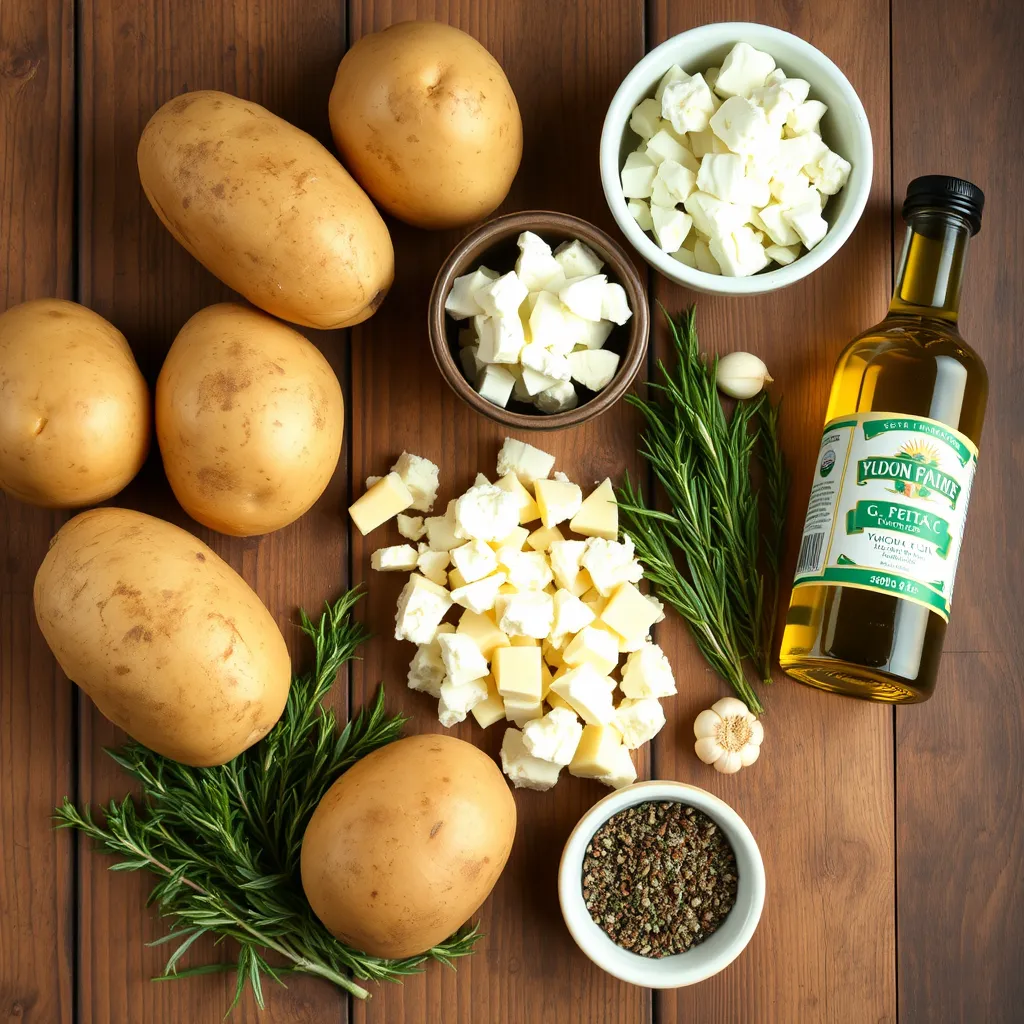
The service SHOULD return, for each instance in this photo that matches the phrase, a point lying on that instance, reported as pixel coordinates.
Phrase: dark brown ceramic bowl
(494, 244)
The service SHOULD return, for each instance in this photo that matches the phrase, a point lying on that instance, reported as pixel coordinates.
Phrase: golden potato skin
(249, 417)
(426, 120)
(407, 844)
(165, 637)
(266, 208)
(74, 408)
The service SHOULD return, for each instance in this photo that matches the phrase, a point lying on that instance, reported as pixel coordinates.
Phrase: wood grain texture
(959, 758)
(36, 703)
(820, 800)
(134, 57)
(564, 62)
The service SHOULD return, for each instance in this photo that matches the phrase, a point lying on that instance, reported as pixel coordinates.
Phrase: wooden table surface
(893, 839)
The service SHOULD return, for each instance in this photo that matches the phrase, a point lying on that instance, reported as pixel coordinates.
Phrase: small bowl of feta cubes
(736, 158)
(538, 320)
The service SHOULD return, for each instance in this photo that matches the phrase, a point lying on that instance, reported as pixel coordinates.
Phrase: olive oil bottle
(892, 481)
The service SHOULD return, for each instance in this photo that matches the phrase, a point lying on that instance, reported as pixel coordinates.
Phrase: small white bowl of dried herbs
(661, 884)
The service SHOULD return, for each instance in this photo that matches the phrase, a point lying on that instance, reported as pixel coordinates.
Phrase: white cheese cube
(588, 693)
(503, 296)
(433, 564)
(793, 154)
(421, 607)
(528, 510)
(486, 512)
(724, 175)
(534, 382)
(411, 527)
(807, 222)
(674, 74)
(522, 711)
(397, 558)
(462, 301)
(744, 128)
(591, 646)
(490, 710)
(639, 721)
(793, 189)
(598, 515)
(629, 612)
(829, 173)
(773, 221)
(584, 296)
(686, 257)
(621, 770)
(571, 615)
(671, 226)
(687, 104)
(559, 398)
(641, 213)
(702, 143)
(703, 259)
(517, 673)
(501, 339)
(554, 737)
(776, 101)
(614, 306)
(457, 700)
(596, 752)
(594, 369)
(495, 384)
(646, 118)
(782, 254)
(743, 70)
(647, 673)
(543, 537)
(372, 480)
(637, 176)
(529, 570)
(661, 197)
(528, 463)
(544, 361)
(665, 146)
(523, 769)
(711, 216)
(536, 264)
(678, 181)
(474, 560)
(805, 117)
(557, 500)
(739, 253)
(547, 323)
(462, 659)
(578, 259)
(426, 670)
(441, 535)
(385, 499)
(610, 563)
(566, 556)
(594, 335)
(420, 475)
(480, 595)
(526, 614)
(483, 631)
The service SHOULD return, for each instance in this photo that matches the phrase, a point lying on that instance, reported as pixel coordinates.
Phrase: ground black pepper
(659, 878)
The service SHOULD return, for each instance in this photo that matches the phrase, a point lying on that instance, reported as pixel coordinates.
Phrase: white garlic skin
(741, 375)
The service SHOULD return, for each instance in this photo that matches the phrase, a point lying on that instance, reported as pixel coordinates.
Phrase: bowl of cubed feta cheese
(736, 158)
(538, 320)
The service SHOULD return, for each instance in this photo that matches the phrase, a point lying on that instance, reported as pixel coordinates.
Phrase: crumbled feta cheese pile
(731, 173)
(538, 328)
(546, 604)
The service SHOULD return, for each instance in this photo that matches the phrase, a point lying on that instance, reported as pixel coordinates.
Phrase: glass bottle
(892, 481)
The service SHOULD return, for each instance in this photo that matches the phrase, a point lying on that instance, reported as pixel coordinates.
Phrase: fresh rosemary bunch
(711, 557)
(225, 842)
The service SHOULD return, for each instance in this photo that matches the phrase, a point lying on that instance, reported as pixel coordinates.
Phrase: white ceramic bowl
(698, 963)
(845, 129)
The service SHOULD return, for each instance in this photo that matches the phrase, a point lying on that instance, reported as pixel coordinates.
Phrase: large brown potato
(165, 637)
(74, 408)
(249, 416)
(426, 120)
(407, 844)
(266, 208)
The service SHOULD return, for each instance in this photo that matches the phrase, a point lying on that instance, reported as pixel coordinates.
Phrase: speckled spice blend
(659, 878)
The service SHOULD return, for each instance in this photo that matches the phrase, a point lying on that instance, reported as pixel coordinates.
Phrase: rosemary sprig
(702, 461)
(225, 842)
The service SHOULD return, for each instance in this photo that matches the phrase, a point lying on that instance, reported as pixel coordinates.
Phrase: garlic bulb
(728, 735)
(741, 375)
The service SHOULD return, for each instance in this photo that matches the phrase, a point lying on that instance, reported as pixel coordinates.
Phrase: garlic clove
(729, 763)
(729, 707)
(706, 724)
(756, 733)
(741, 375)
(708, 749)
(749, 754)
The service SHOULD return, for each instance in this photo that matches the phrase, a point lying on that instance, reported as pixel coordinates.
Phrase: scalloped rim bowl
(700, 962)
(845, 129)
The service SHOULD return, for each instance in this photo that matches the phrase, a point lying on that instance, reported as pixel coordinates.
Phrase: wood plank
(819, 801)
(564, 62)
(37, 116)
(959, 758)
(134, 57)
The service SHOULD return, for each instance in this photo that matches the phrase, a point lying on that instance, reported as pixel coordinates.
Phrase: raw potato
(267, 209)
(426, 120)
(74, 408)
(249, 416)
(407, 844)
(165, 637)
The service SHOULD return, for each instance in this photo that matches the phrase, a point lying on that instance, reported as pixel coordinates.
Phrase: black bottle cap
(946, 193)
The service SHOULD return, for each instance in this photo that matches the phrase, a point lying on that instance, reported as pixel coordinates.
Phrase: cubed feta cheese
(829, 173)
(559, 398)
(688, 104)
(686, 257)
(486, 512)
(566, 557)
(544, 361)
(702, 143)
(461, 301)
(647, 673)
(385, 499)
(782, 254)
(796, 153)
(671, 226)
(421, 607)
(433, 564)
(517, 672)
(588, 693)
(665, 146)
(441, 535)
(776, 101)
(457, 700)
(483, 631)
(584, 295)
(527, 462)
(779, 230)
(536, 264)
(743, 127)
(480, 595)
(502, 296)
(522, 711)
(805, 117)
(571, 615)
(420, 476)
(592, 646)
(637, 176)
(411, 527)
(639, 721)
(578, 259)
(743, 70)
(641, 213)
(674, 74)
(462, 659)
(645, 119)
(474, 560)
(677, 180)
(554, 737)
(738, 253)
(807, 221)
(523, 769)
(426, 670)
(724, 175)
(495, 383)
(397, 558)
(528, 570)
(534, 383)
(526, 614)
(528, 511)
(594, 369)
(547, 322)
(621, 772)
(711, 216)
(501, 339)
(703, 259)
(610, 563)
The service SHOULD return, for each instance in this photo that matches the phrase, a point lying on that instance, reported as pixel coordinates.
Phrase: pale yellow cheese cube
(508, 588)
(383, 501)
(523, 711)
(594, 600)
(543, 537)
(588, 692)
(553, 654)
(491, 710)
(558, 500)
(455, 579)
(598, 515)
(596, 754)
(546, 679)
(516, 671)
(622, 644)
(628, 612)
(514, 541)
(558, 702)
(528, 510)
(523, 641)
(483, 631)
(595, 647)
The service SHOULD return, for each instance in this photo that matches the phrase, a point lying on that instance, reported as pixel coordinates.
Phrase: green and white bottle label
(888, 506)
